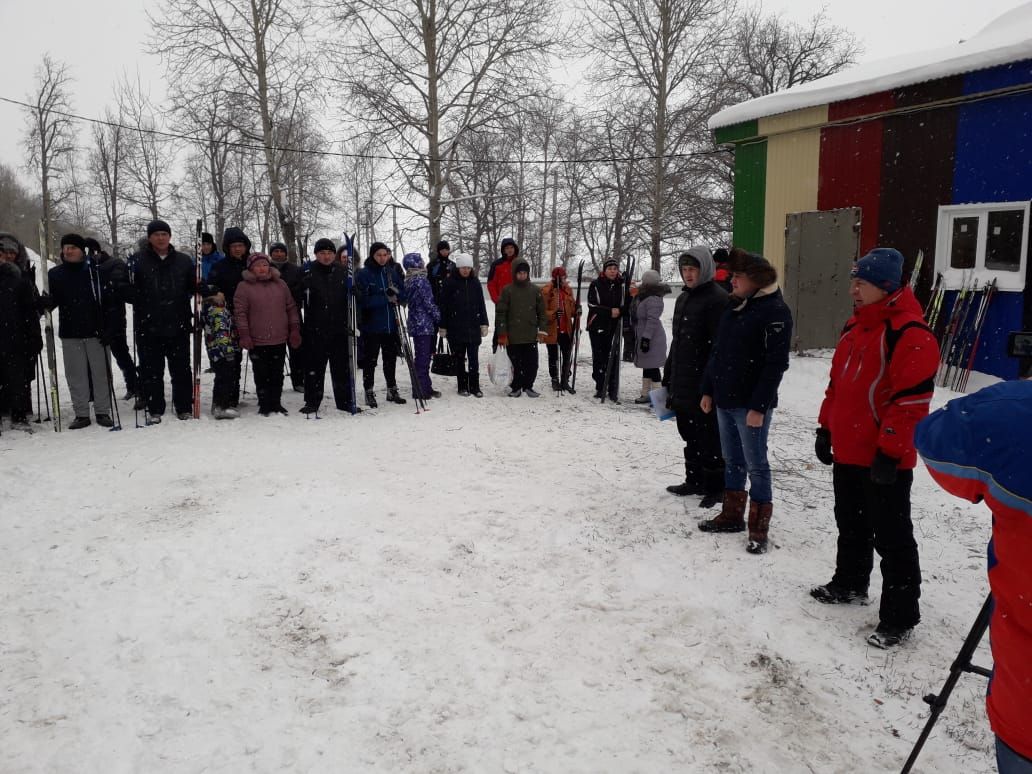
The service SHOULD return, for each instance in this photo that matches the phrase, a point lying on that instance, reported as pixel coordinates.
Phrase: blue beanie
(882, 267)
(412, 261)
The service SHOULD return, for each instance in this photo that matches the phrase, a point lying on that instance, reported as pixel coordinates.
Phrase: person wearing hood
(605, 308)
(464, 322)
(75, 292)
(162, 283)
(563, 317)
(292, 275)
(380, 288)
(697, 314)
(881, 383)
(749, 358)
(649, 337)
(423, 317)
(266, 318)
(500, 276)
(114, 289)
(209, 255)
(440, 269)
(223, 280)
(20, 338)
(521, 323)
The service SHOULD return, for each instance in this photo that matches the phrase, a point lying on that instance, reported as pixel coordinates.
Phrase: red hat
(558, 272)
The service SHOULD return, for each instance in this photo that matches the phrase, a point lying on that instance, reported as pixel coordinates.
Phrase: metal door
(820, 250)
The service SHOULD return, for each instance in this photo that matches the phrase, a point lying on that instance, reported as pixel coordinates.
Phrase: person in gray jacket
(649, 337)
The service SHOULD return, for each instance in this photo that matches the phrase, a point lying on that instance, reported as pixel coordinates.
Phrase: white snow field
(498, 585)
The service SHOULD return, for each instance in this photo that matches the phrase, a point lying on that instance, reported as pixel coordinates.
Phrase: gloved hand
(391, 293)
(503, 339)
(294, 340)
(246, 343)
(883, 469)
(542, 336)
(443, 333)
(822, 446)
(644, 345)
(483, 331)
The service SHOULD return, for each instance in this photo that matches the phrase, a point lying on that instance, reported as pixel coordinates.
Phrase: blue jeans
(1010, 762)
(745, 452)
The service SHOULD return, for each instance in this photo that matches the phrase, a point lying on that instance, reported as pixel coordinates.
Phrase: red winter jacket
(498, 277)
(882, 379)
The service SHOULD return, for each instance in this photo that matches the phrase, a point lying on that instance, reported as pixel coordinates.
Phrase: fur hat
(754, 266)
(462, 260)
(650, 277)
(882, 267)
(75, 240)
(158, 225)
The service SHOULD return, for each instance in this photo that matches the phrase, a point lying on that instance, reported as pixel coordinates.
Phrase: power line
(364, 156)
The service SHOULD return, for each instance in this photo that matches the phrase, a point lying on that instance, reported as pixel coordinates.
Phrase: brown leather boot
(732, 515)
(759, 523)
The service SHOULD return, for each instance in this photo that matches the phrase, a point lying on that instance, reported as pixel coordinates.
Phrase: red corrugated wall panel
(851, 162)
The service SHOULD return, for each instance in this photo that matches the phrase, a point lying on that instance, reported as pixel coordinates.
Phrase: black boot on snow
(370, 398)
(833, 594)
(474, 386)
(79, 422)
(684, 489)
(394, 397)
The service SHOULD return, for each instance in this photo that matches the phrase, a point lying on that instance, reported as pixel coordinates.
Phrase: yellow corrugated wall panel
(793, 168)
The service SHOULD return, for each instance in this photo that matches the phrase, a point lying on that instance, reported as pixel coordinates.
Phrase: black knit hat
(443, 245)
(207, 239)
(610, 262)
(520, 265)
(158, 225)
(92, 245)
(75, 240)
(281, 246)
(377, 246)
(323, 244)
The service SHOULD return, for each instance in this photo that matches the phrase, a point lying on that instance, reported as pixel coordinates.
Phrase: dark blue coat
(463, 309)
(750, 354)
(161, 292)
(371, 284)
(73, 291)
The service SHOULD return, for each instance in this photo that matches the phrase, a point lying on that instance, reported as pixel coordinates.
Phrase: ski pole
(111, 389)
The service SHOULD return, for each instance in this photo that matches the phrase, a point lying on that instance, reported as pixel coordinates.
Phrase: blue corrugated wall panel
(994, 164)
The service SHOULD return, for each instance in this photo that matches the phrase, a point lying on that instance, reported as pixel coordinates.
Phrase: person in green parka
(521, 322)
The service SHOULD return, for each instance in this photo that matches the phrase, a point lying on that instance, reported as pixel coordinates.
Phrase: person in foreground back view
(978, 447)
(880, 386)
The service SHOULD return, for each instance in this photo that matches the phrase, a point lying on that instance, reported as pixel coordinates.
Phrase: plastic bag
(658, 398)
(499, 368)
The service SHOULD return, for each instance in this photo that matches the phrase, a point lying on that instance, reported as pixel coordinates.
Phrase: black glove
(391, 293)
(883, 469)
(645, 344)
(822, 446)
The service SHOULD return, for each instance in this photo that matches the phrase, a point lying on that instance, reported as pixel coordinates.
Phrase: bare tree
(665, 49)
(253, 50)
(50, 140)
(105, 161)
(22, 208)
(772, 53)
(149, 155)
(429, 71)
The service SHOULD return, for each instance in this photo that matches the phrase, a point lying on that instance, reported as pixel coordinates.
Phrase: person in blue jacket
(380, 287)
(209, 255)
(749, 357)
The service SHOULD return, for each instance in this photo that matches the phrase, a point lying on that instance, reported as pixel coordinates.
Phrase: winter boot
(732, 515)
(759, 523)
(646, 388)
(394, 397)
(104, 420)
(306, 409)
(556, 386)
(79, 422)
(463, 379)
(692, 481)
(530, 392)
(474, 386)
(886, 637)
(370, 398)
(834, 594)
(712, 487)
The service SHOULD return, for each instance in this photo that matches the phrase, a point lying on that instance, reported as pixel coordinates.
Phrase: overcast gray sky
(102, 38)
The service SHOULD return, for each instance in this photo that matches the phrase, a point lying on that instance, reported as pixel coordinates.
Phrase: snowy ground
(496, 585)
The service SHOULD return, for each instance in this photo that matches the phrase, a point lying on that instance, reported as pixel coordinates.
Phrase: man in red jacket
(882, 379)
(500, 275)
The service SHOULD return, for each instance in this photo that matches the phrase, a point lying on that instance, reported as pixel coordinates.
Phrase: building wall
(793, 165)
(750, 183)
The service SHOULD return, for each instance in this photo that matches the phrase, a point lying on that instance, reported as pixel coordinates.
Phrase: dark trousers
(601, 349)
(469, 376)
(15, 385)
(120, 351)
(876, 517)
(423, 347)
(297, 366)
(318, 352)
(703, 464)
(559, 362)
(153, 352)
(374, 343)
(629, 342)
(225, 392)
(524, 359)
(267, 364)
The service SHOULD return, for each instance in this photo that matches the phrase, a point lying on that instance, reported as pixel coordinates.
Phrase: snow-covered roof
(1006, 39)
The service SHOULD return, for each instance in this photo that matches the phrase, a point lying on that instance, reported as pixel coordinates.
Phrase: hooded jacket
(750, 354)
(978, 448)
(697, 314)
(227, 274)
(423, 314)
(371, 284)
(19, 319)
(265, 313)
(648, 311)
(500, 273)
(463, 309)
(881, 383)
(441, 267)
(28, 271)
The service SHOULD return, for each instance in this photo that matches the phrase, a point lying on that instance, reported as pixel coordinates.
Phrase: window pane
(1003, 243)
(964, 247)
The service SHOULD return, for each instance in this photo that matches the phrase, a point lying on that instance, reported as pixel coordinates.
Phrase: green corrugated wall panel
(736, 132)
(750, 195)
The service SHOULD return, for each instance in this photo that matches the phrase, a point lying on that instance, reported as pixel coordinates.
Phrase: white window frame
(956, 278)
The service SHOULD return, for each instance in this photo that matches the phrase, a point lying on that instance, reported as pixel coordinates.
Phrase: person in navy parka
(380, 286)
(423, 317)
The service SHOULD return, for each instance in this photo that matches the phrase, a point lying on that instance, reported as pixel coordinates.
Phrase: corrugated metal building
(924, 152)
